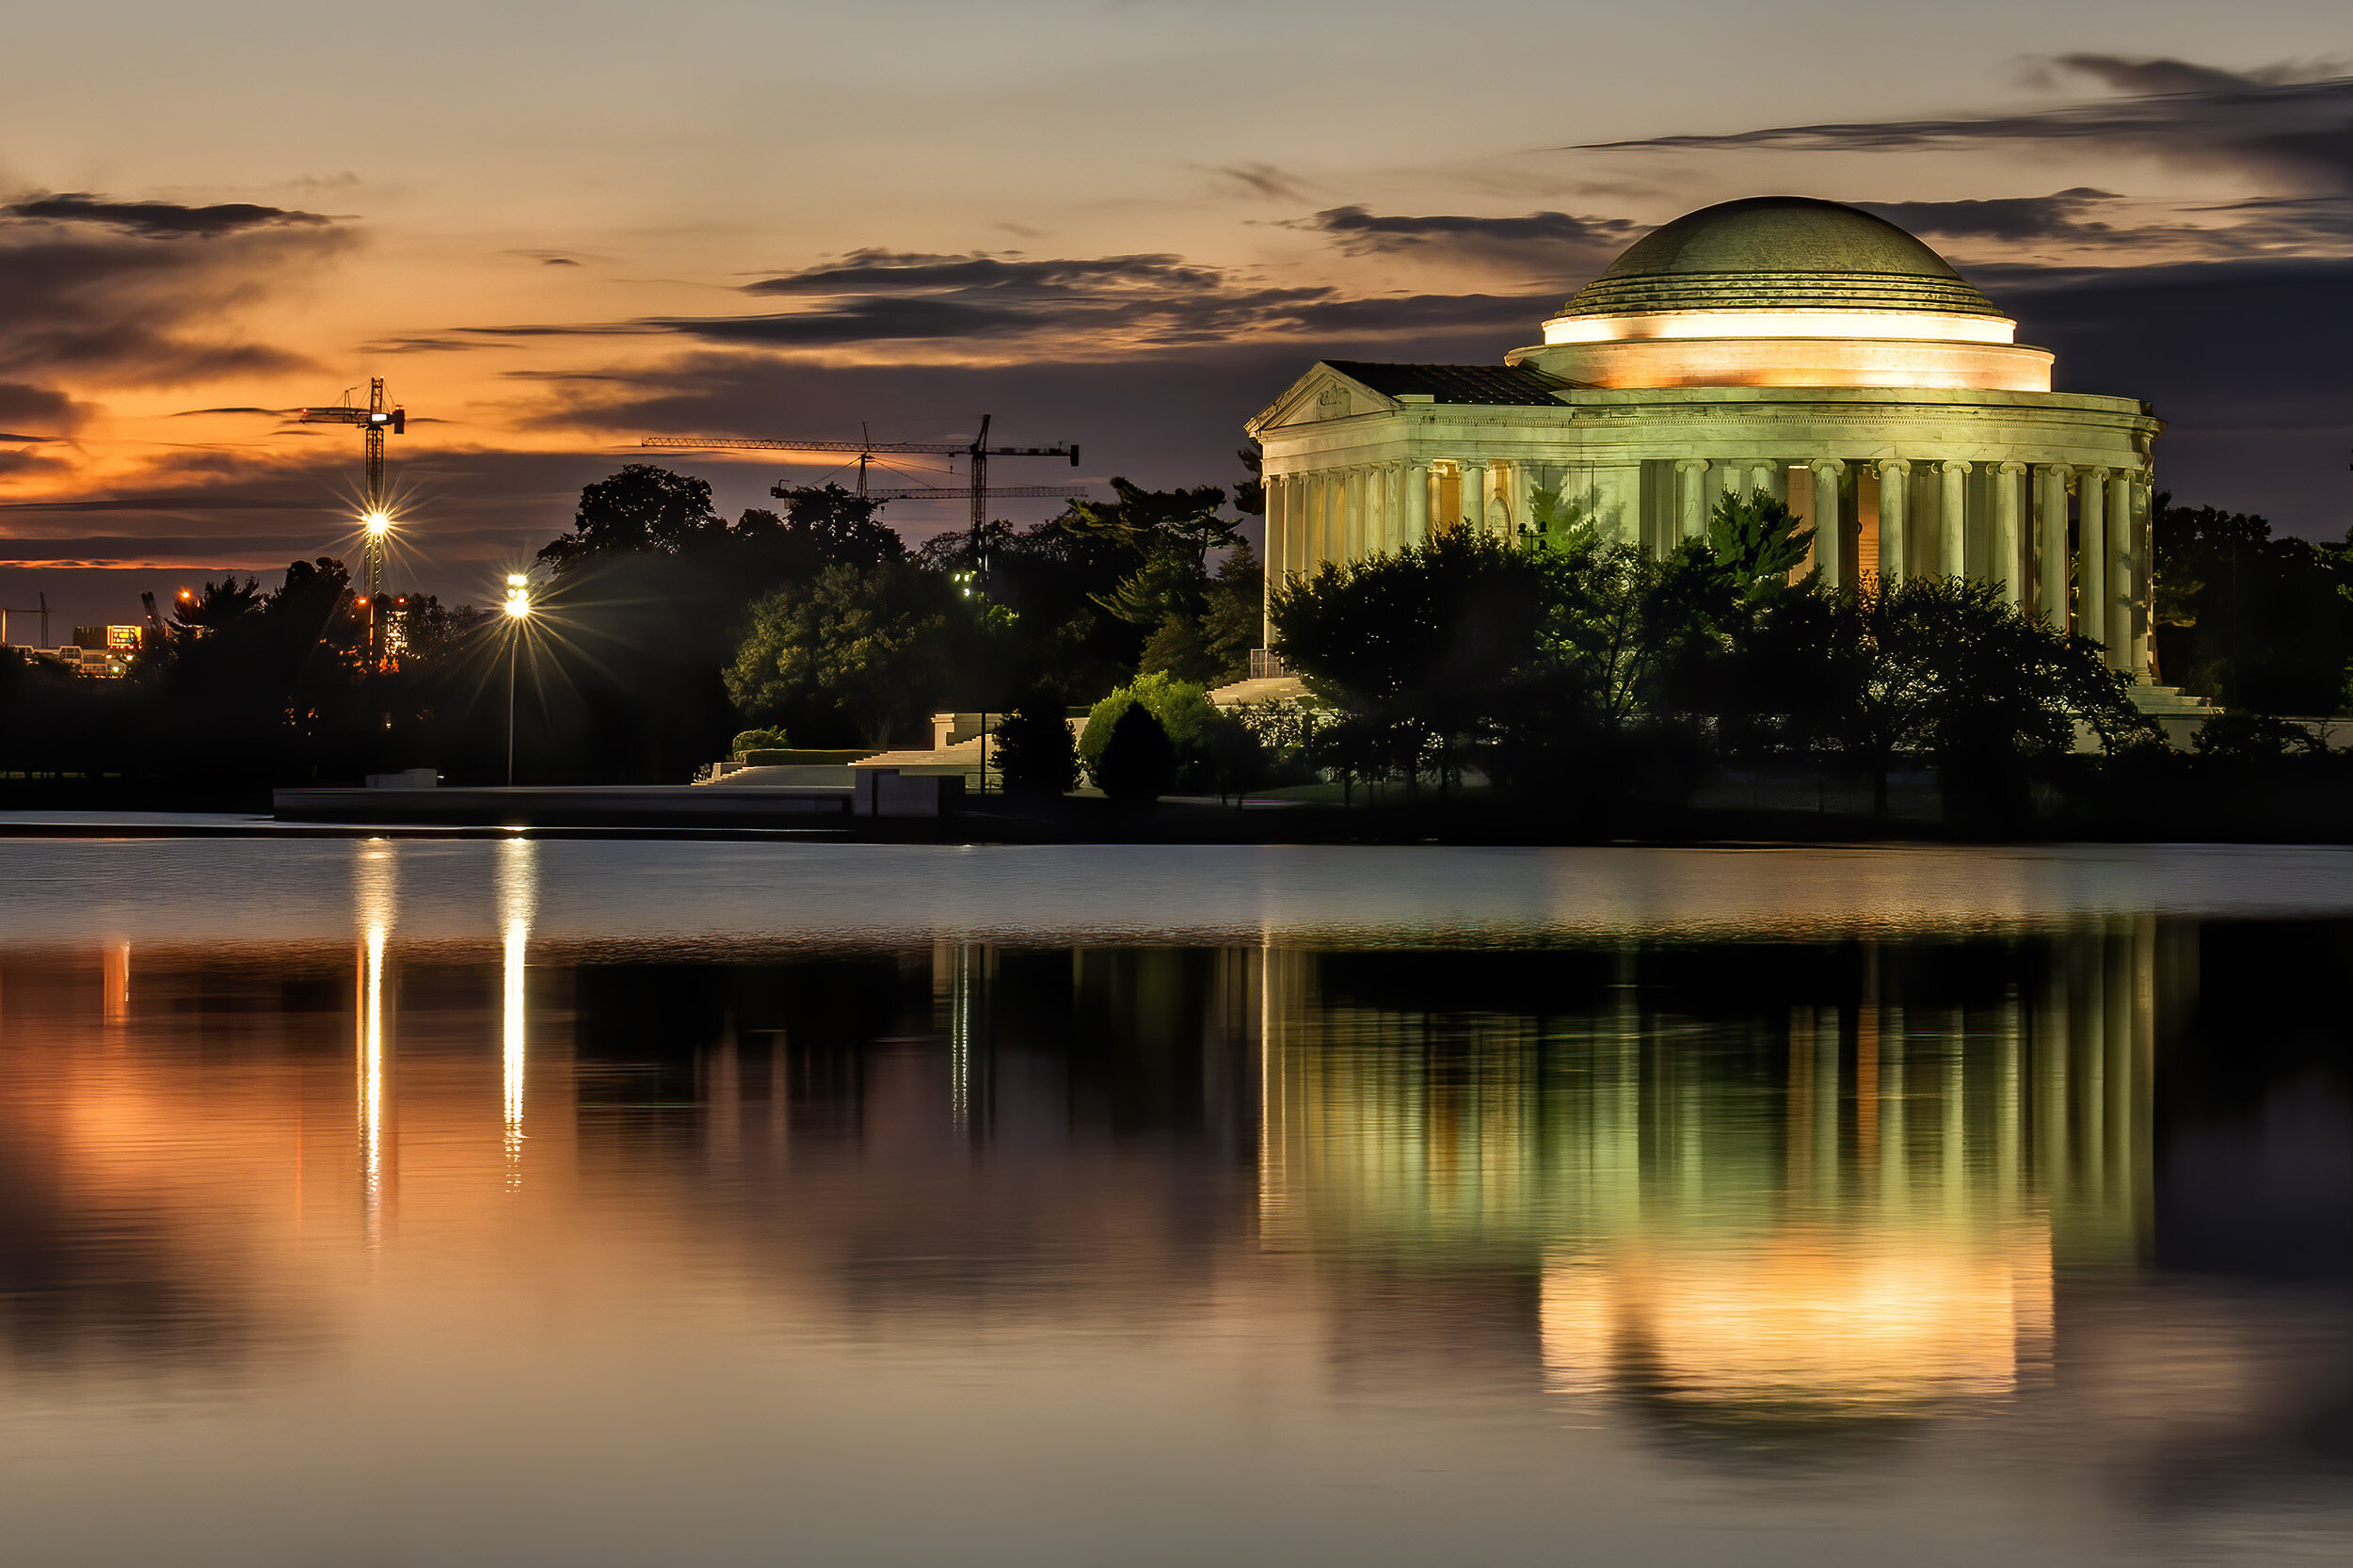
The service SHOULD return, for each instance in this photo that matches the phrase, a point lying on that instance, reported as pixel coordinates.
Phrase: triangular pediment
(1323, 393)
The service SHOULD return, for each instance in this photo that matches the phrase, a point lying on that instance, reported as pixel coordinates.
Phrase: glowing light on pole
(518, 612)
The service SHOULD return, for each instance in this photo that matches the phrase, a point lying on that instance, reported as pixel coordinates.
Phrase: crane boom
(951, 493)
(379, 419)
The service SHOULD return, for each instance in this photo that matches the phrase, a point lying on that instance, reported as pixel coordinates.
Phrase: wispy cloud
(2061, 216)
(1263, 181)
(2300, 131)
(1009, 305)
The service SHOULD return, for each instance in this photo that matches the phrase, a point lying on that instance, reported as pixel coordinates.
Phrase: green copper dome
(1779, 253)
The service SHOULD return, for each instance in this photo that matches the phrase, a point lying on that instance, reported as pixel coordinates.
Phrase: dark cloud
(1360, 228)
(158, 220)
(1068, 308)
(1558, 244)
(2061, 216)
(46, 407)
(18, 438)
(2300, 131)
(2125, 73)
(906, 272)
(102, 308)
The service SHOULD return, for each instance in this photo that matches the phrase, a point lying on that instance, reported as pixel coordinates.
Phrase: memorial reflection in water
(1845, 1196)
(2019, 1185)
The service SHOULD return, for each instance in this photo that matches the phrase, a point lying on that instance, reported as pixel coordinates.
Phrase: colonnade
(2088, 583)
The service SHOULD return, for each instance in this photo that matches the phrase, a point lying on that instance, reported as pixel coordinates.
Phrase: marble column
(1301, 489)
(1279, 489)
(1761, 477)
(1952, 516)
(1894, 519)
(2009, 543)
(2144, 552)
(1273, 556)
(1691, 498)
(1271, 492)
(1417, 504)
(1359, 511)
(2125, 577)
(2050, 544)
(1829, 557)
(2092, 618)
(1474, 496)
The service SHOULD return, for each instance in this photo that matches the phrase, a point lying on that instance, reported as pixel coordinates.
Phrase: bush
(759, 740)
(1034, 751)
(1138, 765)
(2252, 738)
(1182, 709)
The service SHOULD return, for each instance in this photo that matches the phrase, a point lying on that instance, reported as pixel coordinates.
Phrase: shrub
(2253, 737)
(759, 740)
(1182, 708)
(1138, 765)
(1034, 751)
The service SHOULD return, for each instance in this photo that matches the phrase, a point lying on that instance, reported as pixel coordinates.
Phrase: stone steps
(2172, 702)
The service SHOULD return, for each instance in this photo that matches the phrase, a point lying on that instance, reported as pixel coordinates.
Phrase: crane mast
(380, 418)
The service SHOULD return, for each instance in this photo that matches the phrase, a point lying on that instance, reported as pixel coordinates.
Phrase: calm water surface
(632, 1202)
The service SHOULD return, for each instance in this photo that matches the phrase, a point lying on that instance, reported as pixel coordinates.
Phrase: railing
(1266, 665)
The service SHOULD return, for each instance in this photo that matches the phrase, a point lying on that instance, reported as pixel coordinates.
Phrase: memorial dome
(1779, 253)
(1784, 291)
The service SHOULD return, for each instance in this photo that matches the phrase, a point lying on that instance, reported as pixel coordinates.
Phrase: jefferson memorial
(1781, 343)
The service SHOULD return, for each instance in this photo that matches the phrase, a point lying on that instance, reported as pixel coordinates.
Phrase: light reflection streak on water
(962, 1000)
(374, 873)
(518, 896)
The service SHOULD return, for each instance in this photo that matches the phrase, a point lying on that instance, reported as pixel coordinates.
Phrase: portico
(1801, 348)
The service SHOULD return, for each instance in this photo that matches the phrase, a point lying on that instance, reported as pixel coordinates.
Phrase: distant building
(1781, 343)
(121, 639)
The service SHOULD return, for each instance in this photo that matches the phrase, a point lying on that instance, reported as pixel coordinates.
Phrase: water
(456, 1203)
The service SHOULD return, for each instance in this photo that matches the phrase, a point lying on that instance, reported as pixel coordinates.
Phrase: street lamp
(518, 611)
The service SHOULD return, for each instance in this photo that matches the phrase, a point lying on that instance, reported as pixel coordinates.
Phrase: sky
(557, 230)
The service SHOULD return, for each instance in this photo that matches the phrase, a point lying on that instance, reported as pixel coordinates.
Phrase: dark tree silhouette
(1140, 763)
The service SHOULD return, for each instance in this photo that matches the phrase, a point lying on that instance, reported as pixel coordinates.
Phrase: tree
(822, 525)
(876, 644)
(640, 510)
(1940, 670)
(1755, 543)
(1139, 763)
(1034, 751)
(2258, 622)
(1212, 647)
(1421, 644)
(1181, 707)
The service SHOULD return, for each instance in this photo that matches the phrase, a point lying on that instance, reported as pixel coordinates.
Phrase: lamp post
(518, 611)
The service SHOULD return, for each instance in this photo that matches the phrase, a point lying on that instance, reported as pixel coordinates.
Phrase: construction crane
(977, 452)
(42, 613)
(375, 420)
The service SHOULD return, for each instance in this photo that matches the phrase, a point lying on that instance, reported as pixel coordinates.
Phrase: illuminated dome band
(1811, 292)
